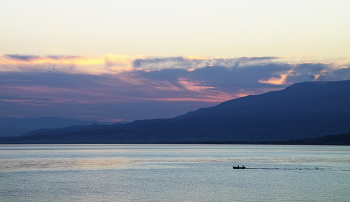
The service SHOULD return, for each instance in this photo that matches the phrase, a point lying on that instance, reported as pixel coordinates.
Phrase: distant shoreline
(341, 139)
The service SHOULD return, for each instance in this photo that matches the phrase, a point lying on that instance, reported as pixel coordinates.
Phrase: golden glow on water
(53, 164)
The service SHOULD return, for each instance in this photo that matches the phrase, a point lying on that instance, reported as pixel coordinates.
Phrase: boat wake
(316, 168)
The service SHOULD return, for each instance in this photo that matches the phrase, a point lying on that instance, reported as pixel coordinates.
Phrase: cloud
(343, 73)
(26, 58)
(117, 86)
(69, 64)
(191, 62)
(52, 59)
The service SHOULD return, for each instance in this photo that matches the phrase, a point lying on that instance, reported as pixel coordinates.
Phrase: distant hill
(341, 139)
(302, 110)
(18, 126)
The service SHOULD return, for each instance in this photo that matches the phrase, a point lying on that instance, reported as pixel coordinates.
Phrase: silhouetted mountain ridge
(297, 98)
(19, 126)
(309, 109)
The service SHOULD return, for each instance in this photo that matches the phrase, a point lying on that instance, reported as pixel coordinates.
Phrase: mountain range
(302, 110)
(12, 127)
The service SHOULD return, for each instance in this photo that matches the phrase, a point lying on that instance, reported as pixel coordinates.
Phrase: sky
(126, 60)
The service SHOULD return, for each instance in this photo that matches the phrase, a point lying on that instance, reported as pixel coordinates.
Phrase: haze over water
(174, 173)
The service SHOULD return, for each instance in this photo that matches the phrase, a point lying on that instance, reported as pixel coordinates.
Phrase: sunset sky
(125, 60)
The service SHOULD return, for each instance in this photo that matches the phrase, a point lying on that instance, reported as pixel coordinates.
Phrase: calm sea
(174, 173)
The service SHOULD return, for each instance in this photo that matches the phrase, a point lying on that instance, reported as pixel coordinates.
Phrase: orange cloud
(51, 60)
(276, 81)
(74, 64)
(196, 58)
(120, 63)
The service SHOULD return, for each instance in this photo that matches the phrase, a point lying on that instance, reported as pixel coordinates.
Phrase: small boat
(237, 167)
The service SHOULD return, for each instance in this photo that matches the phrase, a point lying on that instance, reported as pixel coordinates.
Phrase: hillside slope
(309, 109)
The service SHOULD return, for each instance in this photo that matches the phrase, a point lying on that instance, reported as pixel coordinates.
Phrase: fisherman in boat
(238, 167)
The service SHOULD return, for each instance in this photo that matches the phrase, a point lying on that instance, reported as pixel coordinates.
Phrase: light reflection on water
(174, 173)
(120, 163)
(35, 164)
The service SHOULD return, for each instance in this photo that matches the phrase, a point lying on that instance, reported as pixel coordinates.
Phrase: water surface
(174, 173)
